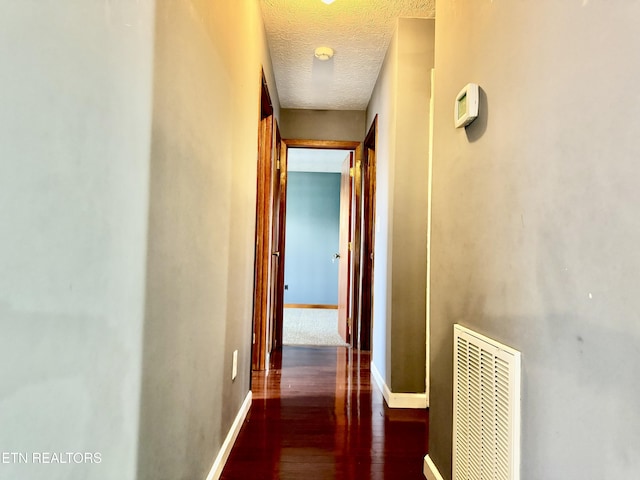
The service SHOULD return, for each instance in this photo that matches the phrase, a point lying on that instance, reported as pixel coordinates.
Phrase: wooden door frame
(264, 200)
(345, 246)
(277, 284)
(366, 243)
(313, 144)
(363, 219)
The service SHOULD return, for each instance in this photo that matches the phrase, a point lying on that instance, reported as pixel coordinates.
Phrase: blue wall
(313, 231)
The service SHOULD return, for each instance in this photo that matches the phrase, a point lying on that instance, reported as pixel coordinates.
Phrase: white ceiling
(359, 31)
(315, 160)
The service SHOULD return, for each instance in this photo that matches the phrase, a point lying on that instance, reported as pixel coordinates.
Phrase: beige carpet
(311, 326)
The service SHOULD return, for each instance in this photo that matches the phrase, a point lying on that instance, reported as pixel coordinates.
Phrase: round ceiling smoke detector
(324, 53)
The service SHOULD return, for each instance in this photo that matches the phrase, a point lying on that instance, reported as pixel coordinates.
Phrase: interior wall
(199, 293)
(344, 125)
(127, 243)
(75, 128)
(383, 103)
(401, 101)
(312, 232)
(535, 225)
(410, 205)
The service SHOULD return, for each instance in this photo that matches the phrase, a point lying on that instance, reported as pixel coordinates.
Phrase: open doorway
(317, 262)
(354, 318)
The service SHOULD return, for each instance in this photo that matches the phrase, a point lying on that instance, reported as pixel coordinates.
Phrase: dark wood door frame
(345, 246)
(286, 145)
(367, 242)
(261, 300)
(356, 266)
(272, 181)
(322, 144)
(278, 234)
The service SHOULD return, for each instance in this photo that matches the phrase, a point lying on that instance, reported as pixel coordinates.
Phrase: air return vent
(486, 408)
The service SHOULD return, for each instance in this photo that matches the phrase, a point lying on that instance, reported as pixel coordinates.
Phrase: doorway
(269, 288)
(318, 233)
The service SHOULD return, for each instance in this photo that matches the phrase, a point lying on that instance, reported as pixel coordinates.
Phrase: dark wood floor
(316, 415)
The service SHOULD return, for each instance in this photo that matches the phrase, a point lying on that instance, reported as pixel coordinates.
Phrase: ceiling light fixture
(328, 2)
(323, 53)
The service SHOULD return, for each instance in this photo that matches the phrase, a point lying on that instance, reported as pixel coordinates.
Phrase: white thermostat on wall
(466, 108)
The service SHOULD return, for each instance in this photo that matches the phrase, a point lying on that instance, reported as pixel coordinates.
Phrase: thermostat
(466, 107)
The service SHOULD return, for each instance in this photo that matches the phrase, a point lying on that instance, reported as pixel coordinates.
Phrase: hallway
(315, 414)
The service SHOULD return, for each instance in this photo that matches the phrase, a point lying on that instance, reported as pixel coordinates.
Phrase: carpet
(311, 326)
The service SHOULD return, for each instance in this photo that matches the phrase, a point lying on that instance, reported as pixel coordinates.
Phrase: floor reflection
(316, 415)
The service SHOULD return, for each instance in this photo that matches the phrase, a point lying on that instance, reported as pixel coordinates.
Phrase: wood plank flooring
(316, 415)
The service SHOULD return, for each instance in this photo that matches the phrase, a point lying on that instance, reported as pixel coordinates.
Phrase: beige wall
(401, 101)
(346, 125)
(535, 223)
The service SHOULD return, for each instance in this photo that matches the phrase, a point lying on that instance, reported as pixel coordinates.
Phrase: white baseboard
(225, 450)
(398, 400)
(375, 373)
(430, 471)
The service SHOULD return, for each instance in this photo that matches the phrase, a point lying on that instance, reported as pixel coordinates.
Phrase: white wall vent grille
(486, 408)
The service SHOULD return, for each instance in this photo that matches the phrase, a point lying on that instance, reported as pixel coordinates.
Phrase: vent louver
(486, 408)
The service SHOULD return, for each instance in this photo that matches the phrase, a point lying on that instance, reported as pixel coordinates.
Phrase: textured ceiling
(359, 31)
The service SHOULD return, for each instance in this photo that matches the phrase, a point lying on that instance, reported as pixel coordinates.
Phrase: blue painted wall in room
(313, 231)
